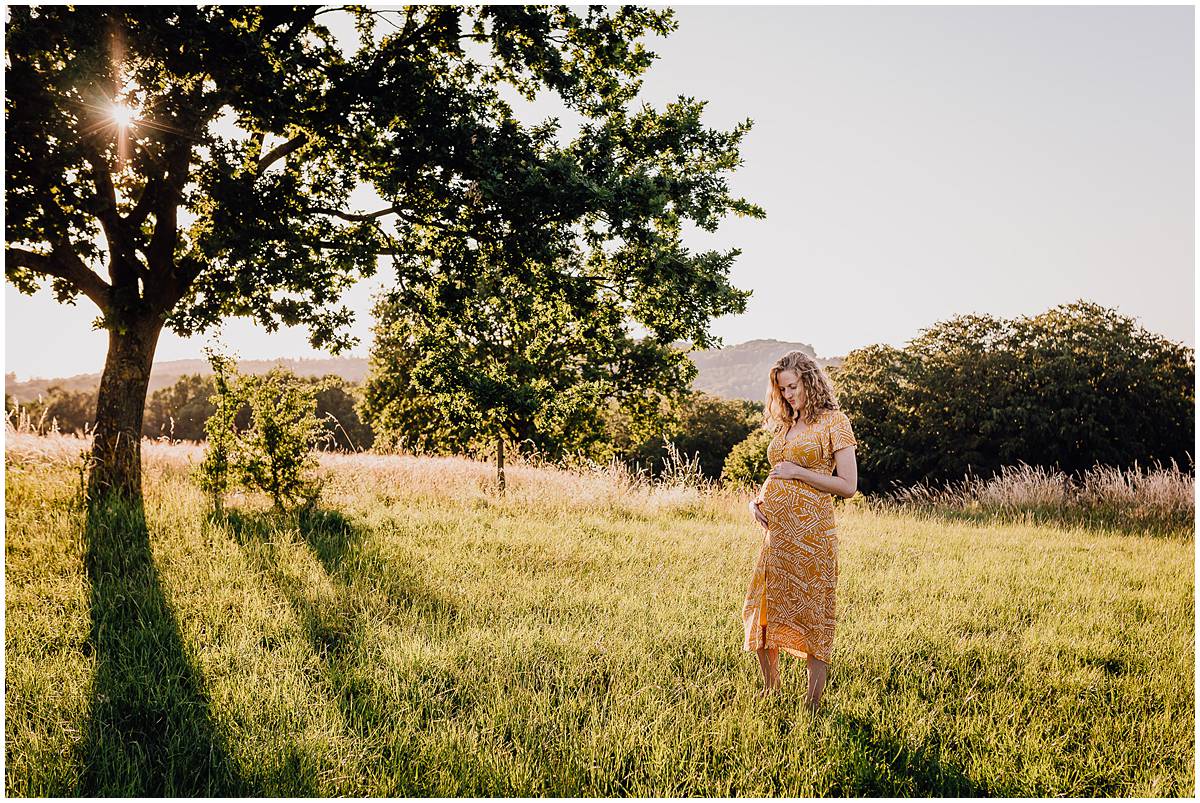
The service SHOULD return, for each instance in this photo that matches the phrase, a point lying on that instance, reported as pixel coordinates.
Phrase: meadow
(419, 634)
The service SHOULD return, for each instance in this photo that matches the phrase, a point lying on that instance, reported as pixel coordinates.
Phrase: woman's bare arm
(845, 484)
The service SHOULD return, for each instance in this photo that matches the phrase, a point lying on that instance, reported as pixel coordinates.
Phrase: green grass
(418, 636)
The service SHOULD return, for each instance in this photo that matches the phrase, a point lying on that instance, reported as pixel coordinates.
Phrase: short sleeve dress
(790, 602)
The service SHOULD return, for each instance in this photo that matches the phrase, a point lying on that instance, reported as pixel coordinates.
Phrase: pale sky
(914, 163)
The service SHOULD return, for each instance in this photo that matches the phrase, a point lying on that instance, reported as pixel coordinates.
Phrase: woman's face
(790, 388)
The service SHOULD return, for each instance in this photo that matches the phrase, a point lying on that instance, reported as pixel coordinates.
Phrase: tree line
(1070, 388)
(181, 411)
(1073, 387)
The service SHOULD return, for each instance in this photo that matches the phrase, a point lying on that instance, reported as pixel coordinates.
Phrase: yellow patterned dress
(790, 602)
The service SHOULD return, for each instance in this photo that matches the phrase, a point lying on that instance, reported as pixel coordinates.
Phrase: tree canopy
(178, 165)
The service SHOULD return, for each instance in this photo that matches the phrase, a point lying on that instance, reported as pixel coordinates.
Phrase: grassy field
(419, 635)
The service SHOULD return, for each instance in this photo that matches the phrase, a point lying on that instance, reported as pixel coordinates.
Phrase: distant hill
(734, 372)
(165, 374)
(740, 372)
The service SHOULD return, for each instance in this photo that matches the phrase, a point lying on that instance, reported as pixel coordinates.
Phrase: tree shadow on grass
(335, 543)
(150, 731)
(334, 627)
(879, 764)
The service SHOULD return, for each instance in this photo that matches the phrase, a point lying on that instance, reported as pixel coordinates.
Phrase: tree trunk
(120, 406)
(500, 463)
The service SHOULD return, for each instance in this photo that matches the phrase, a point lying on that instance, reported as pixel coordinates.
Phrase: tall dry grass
(1139, 499)
(1158, 500)
(532, 484)
(21, 419)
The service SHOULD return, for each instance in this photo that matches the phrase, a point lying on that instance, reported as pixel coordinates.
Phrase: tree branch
(370, 12)
(137, 216)
(419, 222)
(327, 246)
(63, 263)
(322, 210)
(166, 206)
(391, 210)
(124, 267)
(167, 284)
(381, 251)
(331, 9)
(292, 145)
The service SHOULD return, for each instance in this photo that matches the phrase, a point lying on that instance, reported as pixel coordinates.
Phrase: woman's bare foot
(769, 663)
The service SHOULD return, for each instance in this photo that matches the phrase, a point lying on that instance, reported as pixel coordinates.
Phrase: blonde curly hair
(818, 392)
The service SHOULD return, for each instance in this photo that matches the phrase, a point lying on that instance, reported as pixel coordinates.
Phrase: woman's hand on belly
(756, 511)
(785, 475)
(787, 470)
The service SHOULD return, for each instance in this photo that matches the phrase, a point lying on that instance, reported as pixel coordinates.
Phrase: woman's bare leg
(768, 660)
(818, 673)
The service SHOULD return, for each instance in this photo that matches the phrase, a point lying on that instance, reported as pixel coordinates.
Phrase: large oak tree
(178, 165)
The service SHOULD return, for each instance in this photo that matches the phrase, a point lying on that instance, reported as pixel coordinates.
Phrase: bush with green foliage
(747, 466)
(274, 454)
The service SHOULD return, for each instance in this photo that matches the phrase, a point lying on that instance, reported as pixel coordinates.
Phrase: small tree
(533, 369)
(275, 454)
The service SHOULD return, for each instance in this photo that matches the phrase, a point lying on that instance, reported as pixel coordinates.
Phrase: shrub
(274, 454)
(219, 428)
(747, 464)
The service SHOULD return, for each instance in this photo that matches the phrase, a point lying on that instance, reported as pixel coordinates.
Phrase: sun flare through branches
(122, 115)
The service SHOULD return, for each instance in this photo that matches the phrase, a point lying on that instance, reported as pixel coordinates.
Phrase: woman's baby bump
(791, 500)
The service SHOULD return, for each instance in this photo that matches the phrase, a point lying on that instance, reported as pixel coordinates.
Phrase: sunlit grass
(419, 635)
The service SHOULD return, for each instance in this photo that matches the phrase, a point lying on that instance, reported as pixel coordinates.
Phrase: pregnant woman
(790, 603)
